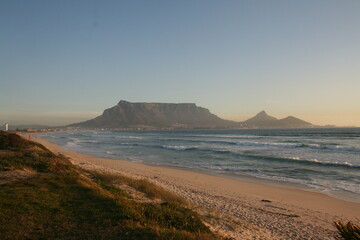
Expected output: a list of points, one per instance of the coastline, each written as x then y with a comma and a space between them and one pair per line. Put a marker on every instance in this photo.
260, 211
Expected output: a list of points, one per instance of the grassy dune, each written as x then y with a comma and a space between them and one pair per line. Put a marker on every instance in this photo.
43, 196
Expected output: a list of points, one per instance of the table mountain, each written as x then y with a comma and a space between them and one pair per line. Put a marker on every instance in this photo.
156, 115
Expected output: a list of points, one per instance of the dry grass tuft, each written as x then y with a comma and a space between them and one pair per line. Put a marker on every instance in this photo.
150, 189
348, 231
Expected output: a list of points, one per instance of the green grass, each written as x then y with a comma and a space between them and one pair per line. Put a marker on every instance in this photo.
56, 207
18, 153
61, 202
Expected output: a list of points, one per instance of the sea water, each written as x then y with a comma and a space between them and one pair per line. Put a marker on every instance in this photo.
326, 160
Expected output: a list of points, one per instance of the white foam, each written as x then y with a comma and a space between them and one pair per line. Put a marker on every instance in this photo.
72, 145
268, 144
233, 136
178, 148
128, 137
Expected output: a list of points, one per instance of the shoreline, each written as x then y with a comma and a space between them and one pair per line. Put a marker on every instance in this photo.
342, 195
262, 210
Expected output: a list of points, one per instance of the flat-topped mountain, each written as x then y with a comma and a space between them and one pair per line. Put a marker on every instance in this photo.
156, 115
179, 115
263, 120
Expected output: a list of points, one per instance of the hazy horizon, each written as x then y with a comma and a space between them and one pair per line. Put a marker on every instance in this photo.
66, 118
63, 62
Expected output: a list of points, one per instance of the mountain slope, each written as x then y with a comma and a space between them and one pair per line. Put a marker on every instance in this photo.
156, 115
293, 122
260, 120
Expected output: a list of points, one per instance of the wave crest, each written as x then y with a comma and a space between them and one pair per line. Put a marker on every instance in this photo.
177, 148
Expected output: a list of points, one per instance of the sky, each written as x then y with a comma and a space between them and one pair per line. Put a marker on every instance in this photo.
66, 61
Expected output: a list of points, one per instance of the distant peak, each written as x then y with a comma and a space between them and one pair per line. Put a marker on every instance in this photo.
260, 118
262, 113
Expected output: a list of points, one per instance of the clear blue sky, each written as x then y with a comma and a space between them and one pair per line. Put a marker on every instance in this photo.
66, 61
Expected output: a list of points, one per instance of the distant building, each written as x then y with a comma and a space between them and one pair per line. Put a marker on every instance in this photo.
6, 127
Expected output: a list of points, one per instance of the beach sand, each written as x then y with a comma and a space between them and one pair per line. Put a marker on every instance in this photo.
232, 207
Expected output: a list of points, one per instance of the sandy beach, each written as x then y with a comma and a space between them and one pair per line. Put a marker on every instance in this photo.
232, 207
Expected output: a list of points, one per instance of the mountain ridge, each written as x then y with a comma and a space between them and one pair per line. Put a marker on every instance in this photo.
128, 115
263, 120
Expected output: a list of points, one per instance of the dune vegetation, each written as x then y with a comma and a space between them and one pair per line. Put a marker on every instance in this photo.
347, 231
44, 196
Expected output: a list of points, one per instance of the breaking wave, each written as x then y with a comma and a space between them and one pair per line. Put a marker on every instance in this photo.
178, 148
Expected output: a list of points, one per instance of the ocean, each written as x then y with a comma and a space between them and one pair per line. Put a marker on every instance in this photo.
325, 160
